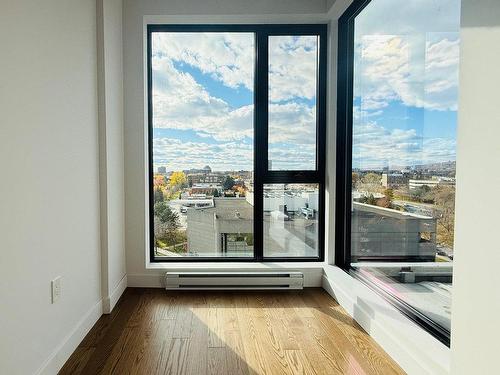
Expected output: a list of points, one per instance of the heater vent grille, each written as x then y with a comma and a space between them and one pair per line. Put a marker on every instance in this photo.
234, 280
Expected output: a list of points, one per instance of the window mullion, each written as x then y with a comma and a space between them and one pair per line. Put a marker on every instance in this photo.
261, 141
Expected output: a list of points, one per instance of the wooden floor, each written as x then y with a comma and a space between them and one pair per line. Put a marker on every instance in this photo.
152, 331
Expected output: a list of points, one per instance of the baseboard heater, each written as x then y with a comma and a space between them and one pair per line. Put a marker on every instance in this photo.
234, 280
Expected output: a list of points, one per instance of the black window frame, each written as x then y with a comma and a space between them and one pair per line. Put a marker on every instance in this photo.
342, 257
262, 175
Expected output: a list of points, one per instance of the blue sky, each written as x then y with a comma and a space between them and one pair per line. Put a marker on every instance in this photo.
406, 83
405, 93
203, 101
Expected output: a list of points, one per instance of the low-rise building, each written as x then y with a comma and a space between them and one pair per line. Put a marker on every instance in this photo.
436, 181
224, 229
394, 180
384, 233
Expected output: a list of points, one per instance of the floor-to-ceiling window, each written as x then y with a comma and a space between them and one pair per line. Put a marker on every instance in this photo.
236, 141
398, 85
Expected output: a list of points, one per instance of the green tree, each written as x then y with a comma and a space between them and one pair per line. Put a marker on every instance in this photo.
368, 199
420, 193
166, 222
158, 195
228, 183
389, 194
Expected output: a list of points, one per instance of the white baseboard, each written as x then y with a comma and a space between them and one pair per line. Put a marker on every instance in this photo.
312, 278
108, 303
146, 280
415, 350
61, 354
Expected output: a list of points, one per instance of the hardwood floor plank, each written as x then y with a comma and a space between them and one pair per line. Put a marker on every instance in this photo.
235, 354
152, 331
217, 361
298, 363
77, 362
176, 357
197, 355
215, 322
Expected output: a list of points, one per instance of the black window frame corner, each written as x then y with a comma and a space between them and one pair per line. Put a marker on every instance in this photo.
345, 81
262, 175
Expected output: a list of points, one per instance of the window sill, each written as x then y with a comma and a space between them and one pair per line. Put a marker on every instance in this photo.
233, 265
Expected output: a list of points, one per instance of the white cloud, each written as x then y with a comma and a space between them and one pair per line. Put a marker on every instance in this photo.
293, 158
376, 147
408, 53
179, 102
292, 123
179, 155
292, 67
419, 73
228, 57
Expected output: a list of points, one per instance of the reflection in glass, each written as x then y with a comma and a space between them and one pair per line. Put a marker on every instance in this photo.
403, 155
293, 63
291, 220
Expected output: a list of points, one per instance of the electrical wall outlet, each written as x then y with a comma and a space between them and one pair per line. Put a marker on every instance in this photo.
56, 289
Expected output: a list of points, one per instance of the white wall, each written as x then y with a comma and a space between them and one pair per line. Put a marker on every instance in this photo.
112, 191
476, 276
49, 212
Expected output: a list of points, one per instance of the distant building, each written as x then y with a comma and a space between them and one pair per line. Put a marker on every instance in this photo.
205, 178
206, 169
438, 181
384, 233
394, 180
162, 170
206, 188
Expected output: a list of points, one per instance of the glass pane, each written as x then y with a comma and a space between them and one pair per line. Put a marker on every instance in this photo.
403, 156
293, 64
291, 220
203, 143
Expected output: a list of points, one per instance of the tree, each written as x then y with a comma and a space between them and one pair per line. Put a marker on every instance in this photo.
178, 180
368, 199
166, 221
372, 178
370, 182
158, 195
389, 194
444, 200
355, 178
228, 183
158, 180
421, 193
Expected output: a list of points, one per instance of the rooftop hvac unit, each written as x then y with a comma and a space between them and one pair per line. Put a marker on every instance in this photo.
234, 280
